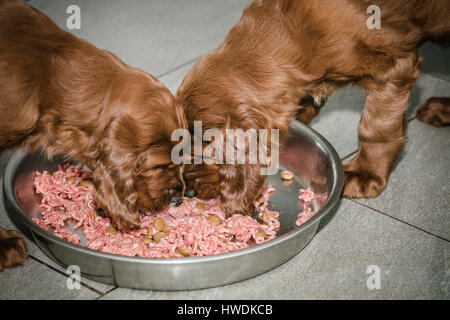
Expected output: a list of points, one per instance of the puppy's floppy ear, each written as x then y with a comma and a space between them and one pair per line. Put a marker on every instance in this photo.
241, 184
115, 192
114, 174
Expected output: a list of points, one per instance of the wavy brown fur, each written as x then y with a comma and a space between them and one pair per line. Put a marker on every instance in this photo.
63, 95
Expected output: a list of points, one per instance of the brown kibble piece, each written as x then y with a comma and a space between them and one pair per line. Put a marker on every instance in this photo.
260, 234
261, 199
96, 214
71, 180
214, 219
159, 236
185, 252
85, 183
147, 240
149, 231
201, 206
111, 229
287, 175
224, 239
287, 183
159, 224
265, 217
167, 228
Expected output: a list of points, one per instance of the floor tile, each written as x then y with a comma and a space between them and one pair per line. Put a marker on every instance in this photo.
412, 265
436, 60
173, 79
152, 35
418, 191
36, 281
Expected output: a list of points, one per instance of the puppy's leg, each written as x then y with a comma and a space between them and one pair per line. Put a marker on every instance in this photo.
13, 249
435, 111
381, 134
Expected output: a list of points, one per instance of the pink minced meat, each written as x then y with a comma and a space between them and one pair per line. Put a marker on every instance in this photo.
191, 231
306, 197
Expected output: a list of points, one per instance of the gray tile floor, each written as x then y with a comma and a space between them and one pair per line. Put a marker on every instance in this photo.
405, 232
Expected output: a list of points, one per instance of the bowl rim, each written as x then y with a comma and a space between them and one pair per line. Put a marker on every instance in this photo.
335, 194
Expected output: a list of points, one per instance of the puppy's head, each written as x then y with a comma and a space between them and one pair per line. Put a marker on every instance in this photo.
135, 172
158, 180
210, 96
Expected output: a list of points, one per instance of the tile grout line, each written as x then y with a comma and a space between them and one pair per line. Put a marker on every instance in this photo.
399, 220
436, 76
349, 155
106, 293
177, 67
62, 273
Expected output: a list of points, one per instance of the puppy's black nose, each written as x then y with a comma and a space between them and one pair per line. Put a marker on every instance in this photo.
176, 198
176, 201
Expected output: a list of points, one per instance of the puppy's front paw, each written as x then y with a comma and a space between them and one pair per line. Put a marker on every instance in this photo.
127, 220
206, 191
361, 183
232, 207
13, 249
203, 179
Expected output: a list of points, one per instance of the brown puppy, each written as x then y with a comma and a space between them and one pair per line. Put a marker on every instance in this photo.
285, 57
63, 95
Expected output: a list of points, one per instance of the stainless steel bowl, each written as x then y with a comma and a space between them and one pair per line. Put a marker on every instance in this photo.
309, 155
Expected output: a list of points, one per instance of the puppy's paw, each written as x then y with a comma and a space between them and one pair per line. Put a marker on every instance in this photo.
13, 249
435, 111
361, 183
203, 179
231, 207
127, 221
206, 191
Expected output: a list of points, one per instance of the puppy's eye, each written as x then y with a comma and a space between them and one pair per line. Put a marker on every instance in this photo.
308, 100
